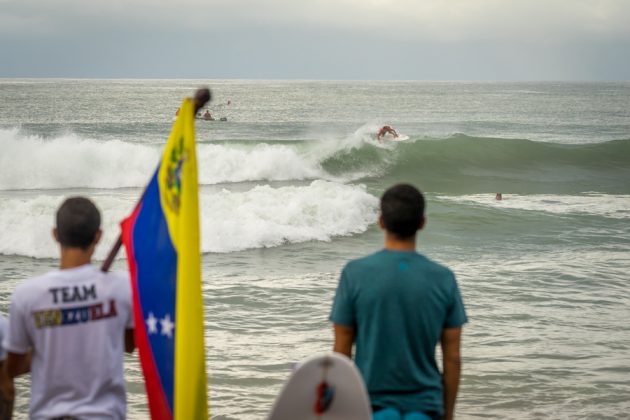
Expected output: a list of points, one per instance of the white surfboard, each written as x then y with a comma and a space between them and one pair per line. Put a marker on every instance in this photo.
390, 137
401, 137
325, 387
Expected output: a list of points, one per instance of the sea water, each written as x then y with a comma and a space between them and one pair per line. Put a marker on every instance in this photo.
289, 192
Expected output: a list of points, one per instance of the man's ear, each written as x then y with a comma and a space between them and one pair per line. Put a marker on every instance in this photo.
381, 222
97, 236
55, 234
423, 222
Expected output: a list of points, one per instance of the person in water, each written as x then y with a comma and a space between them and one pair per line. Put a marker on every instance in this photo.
499, 197
395, 306
386, 129
207, 116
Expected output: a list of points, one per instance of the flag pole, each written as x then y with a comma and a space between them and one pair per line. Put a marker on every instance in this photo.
202, 96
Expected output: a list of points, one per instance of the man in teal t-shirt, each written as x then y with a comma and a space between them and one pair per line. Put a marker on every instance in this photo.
396, 306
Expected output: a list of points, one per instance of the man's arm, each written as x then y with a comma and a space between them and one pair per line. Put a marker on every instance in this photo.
6, 387
7, 391
344, 338
130, 341
17, 364
450, 342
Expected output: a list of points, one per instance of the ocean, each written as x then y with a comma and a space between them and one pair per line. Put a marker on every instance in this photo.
289, 192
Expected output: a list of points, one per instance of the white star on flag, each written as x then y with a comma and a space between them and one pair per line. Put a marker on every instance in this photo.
152, 323
167, 326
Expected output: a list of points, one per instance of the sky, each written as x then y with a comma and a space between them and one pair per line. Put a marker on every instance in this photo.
493, 40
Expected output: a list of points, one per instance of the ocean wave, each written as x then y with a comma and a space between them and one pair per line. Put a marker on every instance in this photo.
266, 217
457, 164
462, 164
592, 204
238, 163
70, 161
230, 220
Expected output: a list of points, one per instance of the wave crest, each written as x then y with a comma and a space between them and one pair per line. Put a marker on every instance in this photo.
230, 221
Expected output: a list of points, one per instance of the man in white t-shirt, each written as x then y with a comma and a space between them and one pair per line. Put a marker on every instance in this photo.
73, 324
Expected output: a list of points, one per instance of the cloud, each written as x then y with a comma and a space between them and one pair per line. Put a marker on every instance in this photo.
491, 39
22, 23
440, 20
462, 20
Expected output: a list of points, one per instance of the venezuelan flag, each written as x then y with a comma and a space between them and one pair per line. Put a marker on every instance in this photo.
161, 238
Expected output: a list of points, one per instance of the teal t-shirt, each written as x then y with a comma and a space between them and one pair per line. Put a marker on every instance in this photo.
399, 303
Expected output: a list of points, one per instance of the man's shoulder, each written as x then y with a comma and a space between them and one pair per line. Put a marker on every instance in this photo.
31, 284
31, 287
365, 261
118, 283
117, 276
436, 267
438, 272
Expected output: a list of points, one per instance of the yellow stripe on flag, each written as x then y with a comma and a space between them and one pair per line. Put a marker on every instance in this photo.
179, 196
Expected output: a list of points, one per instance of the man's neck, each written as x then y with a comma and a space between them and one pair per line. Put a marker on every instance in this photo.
393, 243
74, 257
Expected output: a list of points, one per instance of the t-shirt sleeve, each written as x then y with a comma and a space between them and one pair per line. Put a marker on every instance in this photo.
456, 315
17, 339
342, 312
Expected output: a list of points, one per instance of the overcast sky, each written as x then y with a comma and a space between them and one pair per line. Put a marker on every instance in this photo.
317, 39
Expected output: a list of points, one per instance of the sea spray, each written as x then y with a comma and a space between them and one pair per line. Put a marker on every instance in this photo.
262, 216
237, 163
267, 217
71, 161
27, 220
31, 162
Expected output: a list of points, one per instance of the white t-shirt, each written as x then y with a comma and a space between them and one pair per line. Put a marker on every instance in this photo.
74, 321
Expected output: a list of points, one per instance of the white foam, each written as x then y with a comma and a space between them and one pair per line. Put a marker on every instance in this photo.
238, 163
607, 205
230, 221
31, 162
26, 223
267, 217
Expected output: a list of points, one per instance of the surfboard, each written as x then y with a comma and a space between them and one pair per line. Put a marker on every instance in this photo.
401, 137
324, 387
390, 137
213, 119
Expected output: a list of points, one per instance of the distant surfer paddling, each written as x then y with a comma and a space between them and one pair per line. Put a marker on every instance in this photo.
207, 116
386, 129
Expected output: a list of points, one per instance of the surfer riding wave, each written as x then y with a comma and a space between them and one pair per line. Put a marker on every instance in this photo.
386, 129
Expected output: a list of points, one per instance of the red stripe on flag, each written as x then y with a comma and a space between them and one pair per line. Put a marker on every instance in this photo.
158, 404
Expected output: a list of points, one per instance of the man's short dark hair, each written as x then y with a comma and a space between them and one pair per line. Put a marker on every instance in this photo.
78, 220
402, 208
